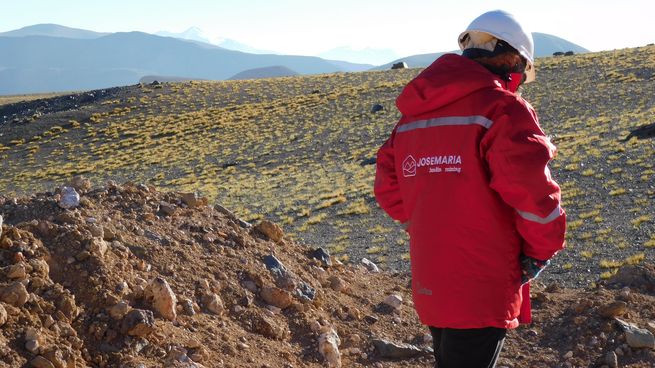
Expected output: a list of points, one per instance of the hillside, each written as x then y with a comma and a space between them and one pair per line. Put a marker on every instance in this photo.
544, 45
268, 72
296, 151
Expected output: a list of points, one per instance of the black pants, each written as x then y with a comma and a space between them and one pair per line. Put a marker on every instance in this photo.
467, 348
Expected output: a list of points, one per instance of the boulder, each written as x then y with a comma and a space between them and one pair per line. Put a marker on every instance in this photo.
213, 303
14, 294
637, 337
400, 65
391, 350
394, 301
614, 309
370, 265
138, 322
276, 297
270, 229
69, 198
328, 347
163, 299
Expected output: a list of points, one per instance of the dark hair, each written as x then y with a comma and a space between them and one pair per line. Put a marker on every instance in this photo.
502, 47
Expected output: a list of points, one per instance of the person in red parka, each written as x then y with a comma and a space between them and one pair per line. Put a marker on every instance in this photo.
466, 171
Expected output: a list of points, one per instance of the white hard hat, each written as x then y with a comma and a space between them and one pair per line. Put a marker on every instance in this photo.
503, 26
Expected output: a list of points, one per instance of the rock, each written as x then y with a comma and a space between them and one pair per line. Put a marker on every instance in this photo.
14, 294
167, 208
375, 108
568, 355
213, 303
612, 360
614, 309
337, 283
392, 350
81, 183
67, 306
400, 65
328, 347
32, 346
637, 337
119, 310
650, 326
187, 307
69, 198
276, 297
370, 265
270, 229
269, 328
304, 292
1, 220
17, 271
40, 267
164, 300
275, 266
98, 247
633, 276
41, 362
138, 322
368, 161
192, 200
3, 315
394, 301
322, 255
59, 358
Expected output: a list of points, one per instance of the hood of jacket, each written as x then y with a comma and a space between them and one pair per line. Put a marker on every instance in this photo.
448, 79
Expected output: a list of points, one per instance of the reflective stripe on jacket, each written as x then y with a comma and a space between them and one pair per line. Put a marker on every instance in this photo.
466, 165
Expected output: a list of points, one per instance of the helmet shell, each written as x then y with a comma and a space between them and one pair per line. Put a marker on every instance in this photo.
504, 26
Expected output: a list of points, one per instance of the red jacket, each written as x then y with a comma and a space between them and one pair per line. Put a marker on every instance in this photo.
466, 165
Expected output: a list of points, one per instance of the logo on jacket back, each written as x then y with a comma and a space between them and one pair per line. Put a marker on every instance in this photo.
409, 166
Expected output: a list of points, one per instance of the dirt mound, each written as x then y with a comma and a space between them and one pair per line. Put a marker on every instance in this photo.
132, 277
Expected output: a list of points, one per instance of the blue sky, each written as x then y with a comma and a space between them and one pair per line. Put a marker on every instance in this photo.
309, 27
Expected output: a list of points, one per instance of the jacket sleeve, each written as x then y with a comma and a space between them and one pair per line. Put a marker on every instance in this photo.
517, 153
387, 189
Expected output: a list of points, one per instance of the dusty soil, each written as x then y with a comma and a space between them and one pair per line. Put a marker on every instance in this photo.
134, 277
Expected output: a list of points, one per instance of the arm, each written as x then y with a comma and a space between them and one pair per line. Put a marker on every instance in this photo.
387, 190
518, 152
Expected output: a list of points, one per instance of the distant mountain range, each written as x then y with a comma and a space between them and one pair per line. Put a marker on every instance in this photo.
362, 56
53, 30
544, 45
40, 62
50, 57
196, 34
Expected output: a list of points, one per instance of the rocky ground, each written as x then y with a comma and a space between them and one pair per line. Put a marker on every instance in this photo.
127, 276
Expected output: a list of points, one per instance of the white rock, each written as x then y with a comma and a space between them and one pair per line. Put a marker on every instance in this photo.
394, 301
370, 265
69, 198
637, 337
328, 346
164, 300
213, 303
